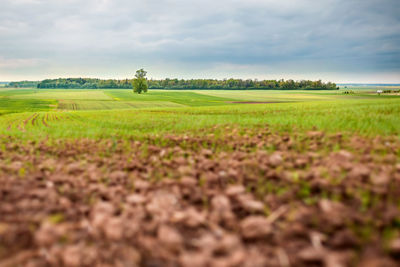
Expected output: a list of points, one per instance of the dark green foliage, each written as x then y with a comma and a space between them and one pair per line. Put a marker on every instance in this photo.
391, 91
23, 84
239, 84
226, 84
84, 83
139, 83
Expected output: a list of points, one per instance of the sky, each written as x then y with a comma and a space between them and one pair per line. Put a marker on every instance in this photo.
332, 40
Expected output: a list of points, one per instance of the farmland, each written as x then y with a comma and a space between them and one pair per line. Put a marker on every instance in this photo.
106, 113
199, 178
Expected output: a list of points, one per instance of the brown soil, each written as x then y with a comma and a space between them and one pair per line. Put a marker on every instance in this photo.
33, 121
23, 124
249, 199
44, 119
9, 126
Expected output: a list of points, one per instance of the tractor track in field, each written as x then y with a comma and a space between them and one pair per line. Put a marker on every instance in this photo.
22, 126
44, 119
34, 120
48, 118
37, 119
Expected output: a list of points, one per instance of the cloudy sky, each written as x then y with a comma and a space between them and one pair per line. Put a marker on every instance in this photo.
336, 40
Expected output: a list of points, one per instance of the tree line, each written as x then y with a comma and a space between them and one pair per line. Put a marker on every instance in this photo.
23, 84
180, 84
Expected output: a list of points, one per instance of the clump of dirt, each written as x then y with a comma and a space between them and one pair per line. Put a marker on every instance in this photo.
249, 198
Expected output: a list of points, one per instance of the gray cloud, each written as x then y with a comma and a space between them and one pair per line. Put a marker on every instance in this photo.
253, 38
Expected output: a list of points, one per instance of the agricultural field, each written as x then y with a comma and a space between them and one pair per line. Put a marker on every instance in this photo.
199, 178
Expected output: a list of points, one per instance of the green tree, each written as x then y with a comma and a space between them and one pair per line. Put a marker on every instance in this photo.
139, 83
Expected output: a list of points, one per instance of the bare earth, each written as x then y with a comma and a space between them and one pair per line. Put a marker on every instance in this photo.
257, 198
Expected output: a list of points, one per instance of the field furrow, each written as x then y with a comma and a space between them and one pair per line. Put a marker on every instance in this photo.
23, 124
45, 119
34, 119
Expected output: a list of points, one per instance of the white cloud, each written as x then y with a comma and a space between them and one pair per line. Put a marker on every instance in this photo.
296, 36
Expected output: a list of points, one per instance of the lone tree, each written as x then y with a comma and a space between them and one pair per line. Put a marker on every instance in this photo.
139, 83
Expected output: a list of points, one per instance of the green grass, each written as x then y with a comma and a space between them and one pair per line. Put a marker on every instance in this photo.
188, 98
15, 105
105, 105
58, 94
110, 113
267, 96
8, 92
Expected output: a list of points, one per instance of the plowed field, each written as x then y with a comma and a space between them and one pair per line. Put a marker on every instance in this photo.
254, 198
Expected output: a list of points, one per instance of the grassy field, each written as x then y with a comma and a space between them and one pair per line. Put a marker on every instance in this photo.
199, 178
106, 113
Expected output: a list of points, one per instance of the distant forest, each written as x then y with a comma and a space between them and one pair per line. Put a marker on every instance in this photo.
23, 84
226, 84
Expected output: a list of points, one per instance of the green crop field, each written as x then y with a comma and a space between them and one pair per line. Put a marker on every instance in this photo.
105, 113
